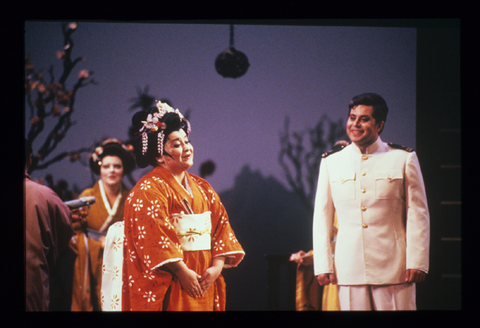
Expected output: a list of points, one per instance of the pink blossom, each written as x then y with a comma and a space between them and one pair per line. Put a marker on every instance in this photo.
83, 73
60, 54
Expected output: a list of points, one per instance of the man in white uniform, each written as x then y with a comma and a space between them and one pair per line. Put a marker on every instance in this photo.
383, 236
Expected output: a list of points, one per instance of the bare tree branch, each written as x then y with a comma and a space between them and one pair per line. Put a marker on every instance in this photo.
73, 155
60, 100
300, 165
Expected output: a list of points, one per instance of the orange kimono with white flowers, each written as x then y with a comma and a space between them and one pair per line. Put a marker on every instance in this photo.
153, 238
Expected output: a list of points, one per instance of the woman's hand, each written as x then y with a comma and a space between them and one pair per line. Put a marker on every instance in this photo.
302, 258
190, 283
188, 278
102, 241
79, 219
212, 273
79, 215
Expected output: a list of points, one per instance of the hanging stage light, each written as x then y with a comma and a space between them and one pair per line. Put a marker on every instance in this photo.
231, 62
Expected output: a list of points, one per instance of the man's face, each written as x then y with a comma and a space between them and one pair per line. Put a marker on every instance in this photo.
362, 129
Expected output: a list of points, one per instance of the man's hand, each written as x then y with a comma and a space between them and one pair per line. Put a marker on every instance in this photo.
414, 275
327, 278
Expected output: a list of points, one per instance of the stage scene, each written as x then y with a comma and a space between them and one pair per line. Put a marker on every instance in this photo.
173, 166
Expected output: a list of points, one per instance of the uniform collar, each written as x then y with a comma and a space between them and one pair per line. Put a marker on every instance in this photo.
370, 149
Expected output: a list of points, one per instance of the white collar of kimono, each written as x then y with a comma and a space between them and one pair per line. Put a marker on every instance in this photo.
187, 185
111, 210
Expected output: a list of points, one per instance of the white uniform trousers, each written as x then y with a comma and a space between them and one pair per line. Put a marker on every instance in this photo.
377, 297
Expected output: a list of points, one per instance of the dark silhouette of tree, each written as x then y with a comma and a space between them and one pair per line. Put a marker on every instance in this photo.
61, 188
48, 98
143, 100
301, 164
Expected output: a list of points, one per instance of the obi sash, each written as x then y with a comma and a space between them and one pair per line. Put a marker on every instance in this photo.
194, 231
95, 234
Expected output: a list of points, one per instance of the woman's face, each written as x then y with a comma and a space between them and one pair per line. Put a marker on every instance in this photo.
181, 150
111, 170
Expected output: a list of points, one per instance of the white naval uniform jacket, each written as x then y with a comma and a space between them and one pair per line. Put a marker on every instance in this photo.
382, 215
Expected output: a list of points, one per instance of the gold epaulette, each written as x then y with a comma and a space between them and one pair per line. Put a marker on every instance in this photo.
392, 145
335, 149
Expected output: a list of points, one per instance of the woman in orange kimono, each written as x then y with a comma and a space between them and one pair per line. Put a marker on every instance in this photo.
177, 234
111, 160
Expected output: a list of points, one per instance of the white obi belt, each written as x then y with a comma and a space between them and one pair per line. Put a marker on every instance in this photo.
194, 231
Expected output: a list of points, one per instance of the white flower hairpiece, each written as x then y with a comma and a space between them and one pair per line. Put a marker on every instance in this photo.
153, 124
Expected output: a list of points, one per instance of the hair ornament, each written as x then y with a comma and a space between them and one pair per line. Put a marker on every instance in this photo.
112, 147
144, 142
153, 124
160, 138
